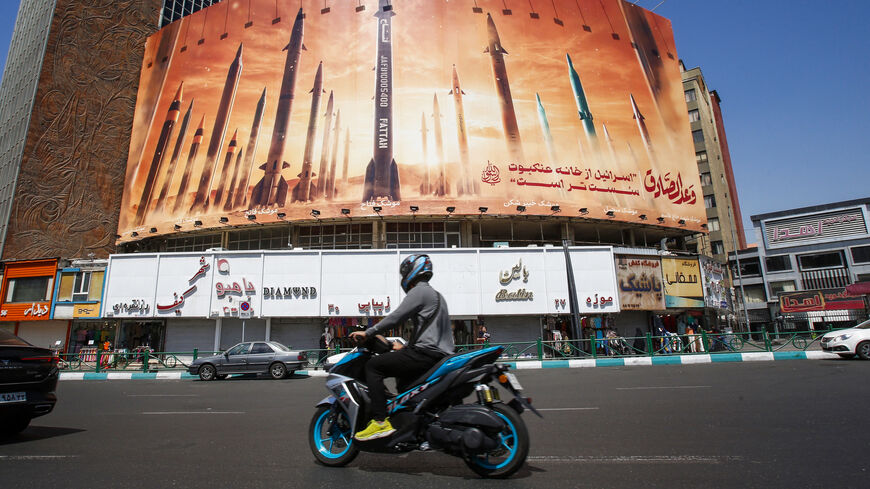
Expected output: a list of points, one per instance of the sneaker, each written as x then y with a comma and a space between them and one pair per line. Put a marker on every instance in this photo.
376, 430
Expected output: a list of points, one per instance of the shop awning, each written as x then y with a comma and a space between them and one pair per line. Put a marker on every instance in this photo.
858, 288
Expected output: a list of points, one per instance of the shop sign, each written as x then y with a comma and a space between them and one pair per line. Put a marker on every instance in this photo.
355, 284
25, 312
825, 226
682, 282
289, 292
715, 285
377, 308
86, 310
640, 283
507, 277
234, 295
179, 298
819, 300
291, 285
135, 307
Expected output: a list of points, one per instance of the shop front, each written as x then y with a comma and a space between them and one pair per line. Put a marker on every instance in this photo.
26, 301
818, 310
78, 295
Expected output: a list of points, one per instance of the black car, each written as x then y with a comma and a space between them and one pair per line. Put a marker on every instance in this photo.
28, 378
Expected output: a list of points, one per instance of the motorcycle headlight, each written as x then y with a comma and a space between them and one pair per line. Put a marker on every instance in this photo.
844, 337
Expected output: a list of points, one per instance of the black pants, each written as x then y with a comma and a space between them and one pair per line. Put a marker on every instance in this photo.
406, 365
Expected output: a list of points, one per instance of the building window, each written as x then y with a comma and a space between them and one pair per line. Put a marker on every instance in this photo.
709, 201
81, 285
274, 238
193, 243
690, 95
422, 234
717, 247
701, 157
863, 277
821, 260
29, 289
706, 178
777, 288
778, 263
713, 224
754, 294
861, 254
748, 267
694, 115
698, 136
336, 237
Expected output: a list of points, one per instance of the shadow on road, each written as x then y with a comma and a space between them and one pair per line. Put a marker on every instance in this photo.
35, 433
425, 464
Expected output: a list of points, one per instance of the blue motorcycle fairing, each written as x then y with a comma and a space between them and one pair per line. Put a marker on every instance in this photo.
327, 401
459, 361
347, 358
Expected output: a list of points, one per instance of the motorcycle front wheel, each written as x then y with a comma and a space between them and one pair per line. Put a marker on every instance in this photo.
330, 437
511, 455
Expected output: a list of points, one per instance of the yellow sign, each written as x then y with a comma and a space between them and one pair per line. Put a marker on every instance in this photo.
86, 310
682, 277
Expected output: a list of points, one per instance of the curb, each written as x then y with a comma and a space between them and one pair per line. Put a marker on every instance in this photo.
523, 365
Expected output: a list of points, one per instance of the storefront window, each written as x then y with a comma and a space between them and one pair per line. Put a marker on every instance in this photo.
422, 234
84, 334
754, 294
142, 333
29, 289
336, 237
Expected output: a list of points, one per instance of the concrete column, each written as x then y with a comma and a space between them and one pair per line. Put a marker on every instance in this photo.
268, 329
465, 239
217, 334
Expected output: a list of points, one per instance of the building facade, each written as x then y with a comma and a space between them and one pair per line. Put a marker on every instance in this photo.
796, 278
724, 219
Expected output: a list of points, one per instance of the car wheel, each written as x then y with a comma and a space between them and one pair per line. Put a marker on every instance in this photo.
846, 356
278, 370
207, 372
863, 350
14, 425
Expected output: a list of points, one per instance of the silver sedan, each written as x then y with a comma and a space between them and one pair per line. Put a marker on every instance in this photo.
252, 357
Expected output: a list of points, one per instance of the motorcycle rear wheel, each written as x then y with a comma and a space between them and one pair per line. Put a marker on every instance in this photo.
330, 437
503, 462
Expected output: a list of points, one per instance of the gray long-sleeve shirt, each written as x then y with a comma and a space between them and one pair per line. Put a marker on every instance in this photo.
420, 304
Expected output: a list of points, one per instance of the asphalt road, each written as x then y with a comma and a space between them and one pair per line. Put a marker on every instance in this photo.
768, 424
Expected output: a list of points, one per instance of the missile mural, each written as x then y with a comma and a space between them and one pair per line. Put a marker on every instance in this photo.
228, 204
609, 141
159, 154
466, 185
382, 173
502, 87
426, 186
324, 148
173, 161
188, 167
644, 134
272, 188
545, 130
303, 189
442, 185
582, 104
330, 181
225, 170
346, 155
216, 143
241, 197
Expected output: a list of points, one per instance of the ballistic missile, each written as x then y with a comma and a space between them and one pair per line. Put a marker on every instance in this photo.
426, 186
346, 155
465, 186
502, 87
173, 162
216, 143
191, 159
644, 134
272, 188
330, 182
382, 173
545, 130
241, 197
303, 189
228, 161
609, 141
442, 186
159, 153
324, 148
582, 104
646, 48
228, 204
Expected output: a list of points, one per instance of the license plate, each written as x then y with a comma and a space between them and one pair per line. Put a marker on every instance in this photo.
6, 397
512, 379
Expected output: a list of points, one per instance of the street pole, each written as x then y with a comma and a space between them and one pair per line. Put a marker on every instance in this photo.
576, 330
739, 272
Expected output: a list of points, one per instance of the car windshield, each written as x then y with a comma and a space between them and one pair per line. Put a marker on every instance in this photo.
10, 339
864, 325
278, 346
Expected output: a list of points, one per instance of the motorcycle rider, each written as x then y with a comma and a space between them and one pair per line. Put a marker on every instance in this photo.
430, 341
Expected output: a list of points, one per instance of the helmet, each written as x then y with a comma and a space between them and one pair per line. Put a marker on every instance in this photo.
413, 269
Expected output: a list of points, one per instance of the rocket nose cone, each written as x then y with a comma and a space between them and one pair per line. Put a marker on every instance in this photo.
568, 57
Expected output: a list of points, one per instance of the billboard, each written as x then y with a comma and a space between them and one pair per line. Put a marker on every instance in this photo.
819, 300
684, 286
272, 110
640, 283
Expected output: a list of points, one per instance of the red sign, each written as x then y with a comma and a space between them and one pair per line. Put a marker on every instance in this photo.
820, 300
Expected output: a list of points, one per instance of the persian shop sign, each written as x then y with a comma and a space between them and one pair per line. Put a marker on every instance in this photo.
517, 273
640, 283
682, 281
816, 227
819, 300
446, 125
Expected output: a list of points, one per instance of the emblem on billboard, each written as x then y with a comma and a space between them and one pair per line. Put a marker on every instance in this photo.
490, 174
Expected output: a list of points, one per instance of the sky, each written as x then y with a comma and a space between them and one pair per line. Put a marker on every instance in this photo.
791, 80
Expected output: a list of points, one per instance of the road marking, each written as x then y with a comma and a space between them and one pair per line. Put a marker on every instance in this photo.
663, 387
162, 395
568, 409
637, 459
34, 457
193, 412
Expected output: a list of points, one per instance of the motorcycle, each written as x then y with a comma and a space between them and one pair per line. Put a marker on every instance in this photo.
428, 413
